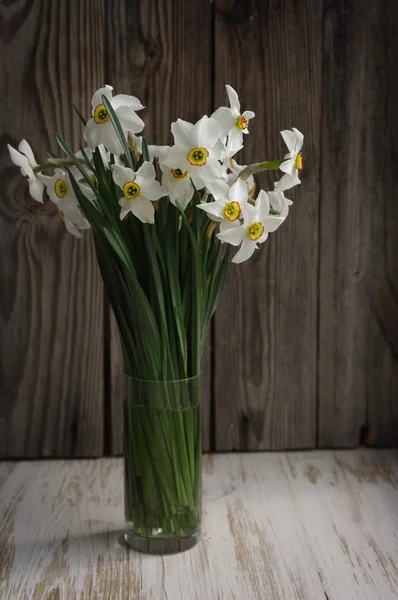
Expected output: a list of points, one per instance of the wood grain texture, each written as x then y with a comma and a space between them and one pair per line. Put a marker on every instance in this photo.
358, 371
160, 52
51, 311
266, 324
296, 526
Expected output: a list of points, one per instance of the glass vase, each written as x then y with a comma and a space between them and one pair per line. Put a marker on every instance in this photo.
163, 464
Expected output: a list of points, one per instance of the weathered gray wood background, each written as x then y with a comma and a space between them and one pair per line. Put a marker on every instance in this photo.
304, 346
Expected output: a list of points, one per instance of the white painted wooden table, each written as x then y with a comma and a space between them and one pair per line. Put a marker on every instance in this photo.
308, 525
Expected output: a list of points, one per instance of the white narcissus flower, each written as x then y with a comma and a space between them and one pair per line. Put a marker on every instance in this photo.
257, 224
232, 122
293, 162
279, 204
24, 158
60, 191
228, 204
59, 187
195, 151
139, 189
177, 183
72, 217
99, 129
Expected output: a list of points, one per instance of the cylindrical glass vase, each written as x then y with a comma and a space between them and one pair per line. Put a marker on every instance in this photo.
162, 464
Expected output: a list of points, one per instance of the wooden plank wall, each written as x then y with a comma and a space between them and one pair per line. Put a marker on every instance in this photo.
305, 341
358, 285
266, 325
52, 303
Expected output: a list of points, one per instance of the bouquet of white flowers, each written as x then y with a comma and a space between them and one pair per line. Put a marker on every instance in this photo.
163, 221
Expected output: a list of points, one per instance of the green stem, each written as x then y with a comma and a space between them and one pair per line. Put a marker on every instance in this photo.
257, 167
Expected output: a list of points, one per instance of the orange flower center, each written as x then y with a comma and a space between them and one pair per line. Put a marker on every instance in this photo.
100, 114
299, 161
256, 231
60, 188
178, 174
242, 123
197, 157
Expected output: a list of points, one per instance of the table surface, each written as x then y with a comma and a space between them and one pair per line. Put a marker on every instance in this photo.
314, 525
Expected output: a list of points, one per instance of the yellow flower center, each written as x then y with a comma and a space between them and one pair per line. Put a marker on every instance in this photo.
178, 174
232, 211
60, 188
242, 123
256, 231
299, 161
198, 157
61, 214
100, 114
131, 189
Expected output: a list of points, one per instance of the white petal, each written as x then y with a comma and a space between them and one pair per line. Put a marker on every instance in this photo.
97, 97
122, 174
262, 205
182, 132
82, 223
162, 153
299, 139
224, 118
152, 190
36, 188
206, 133
239, 192
145, 173
288, 166
233, 235
250, 214
245, 251
248, 114
195, 176
217, 151
176, 158
27, 150
129, 120
211, 170
125, 100
286, 182
17, 158
235, 141
233, 100
126, 207
71, 227
272, 223
225, 224
279, 203
181, 190
219, 189
91, 133
290, 139
215, 209
108, 136
143, 209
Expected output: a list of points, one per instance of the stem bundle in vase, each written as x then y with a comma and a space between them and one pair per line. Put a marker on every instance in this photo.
163, 220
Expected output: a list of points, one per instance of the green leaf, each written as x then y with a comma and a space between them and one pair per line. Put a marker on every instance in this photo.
83, 120
145, 151
74, 159
118, 128
215, 292
92, 214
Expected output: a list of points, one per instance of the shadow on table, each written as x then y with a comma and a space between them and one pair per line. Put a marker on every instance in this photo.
71, 551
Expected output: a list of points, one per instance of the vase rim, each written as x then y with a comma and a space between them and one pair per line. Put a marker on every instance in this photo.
187, 379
